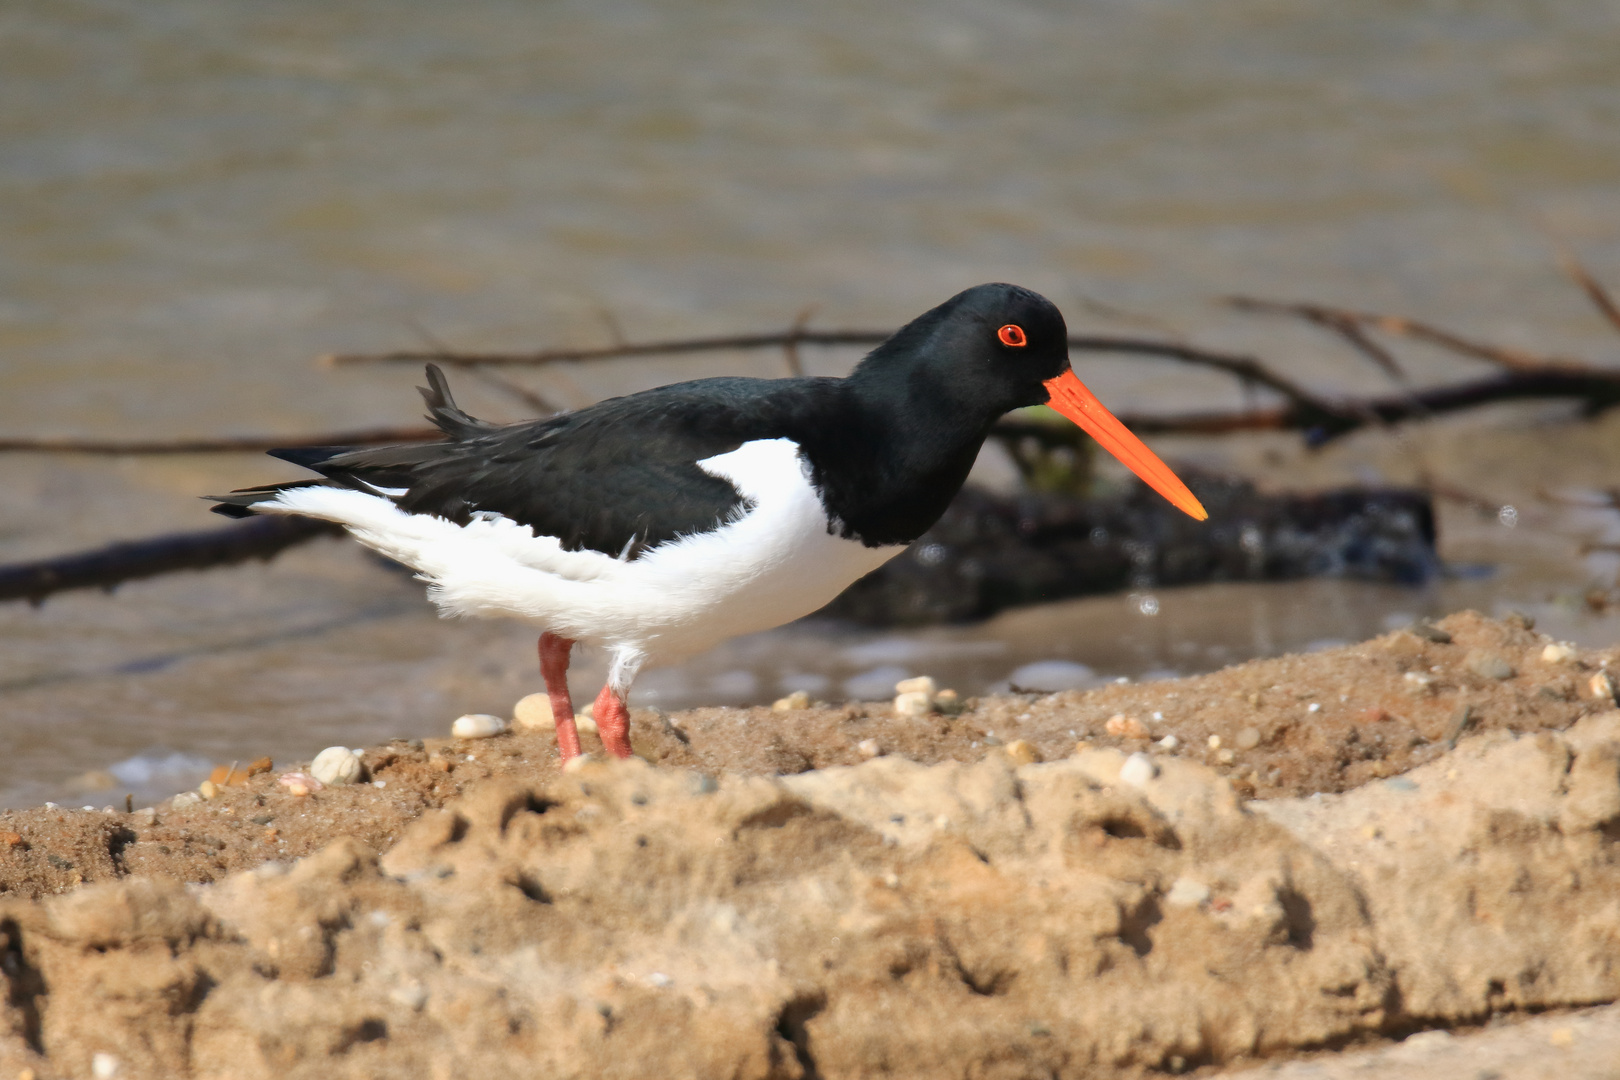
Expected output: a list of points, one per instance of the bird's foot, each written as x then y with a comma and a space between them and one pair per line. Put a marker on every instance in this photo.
612, 722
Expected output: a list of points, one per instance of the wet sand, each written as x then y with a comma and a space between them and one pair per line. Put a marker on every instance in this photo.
1411, 834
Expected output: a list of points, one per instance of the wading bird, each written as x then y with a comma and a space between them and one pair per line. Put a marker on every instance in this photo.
659, 524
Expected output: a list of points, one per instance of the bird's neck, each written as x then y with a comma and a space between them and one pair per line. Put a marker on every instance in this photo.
888, 464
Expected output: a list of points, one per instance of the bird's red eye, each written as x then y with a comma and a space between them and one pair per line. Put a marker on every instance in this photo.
1012, 334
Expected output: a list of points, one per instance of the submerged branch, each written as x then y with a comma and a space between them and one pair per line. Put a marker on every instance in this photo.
108, 567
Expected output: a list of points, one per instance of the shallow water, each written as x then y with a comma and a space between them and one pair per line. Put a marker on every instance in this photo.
196, 199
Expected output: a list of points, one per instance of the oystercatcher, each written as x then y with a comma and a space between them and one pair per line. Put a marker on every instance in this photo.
659, 524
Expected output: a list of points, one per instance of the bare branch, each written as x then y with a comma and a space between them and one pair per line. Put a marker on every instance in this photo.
1501, 356
1591, 286
109, 567
224, 445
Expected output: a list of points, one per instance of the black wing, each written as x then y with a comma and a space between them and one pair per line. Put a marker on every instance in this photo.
618, 477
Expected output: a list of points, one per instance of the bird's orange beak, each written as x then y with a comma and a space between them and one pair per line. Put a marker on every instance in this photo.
1070, 397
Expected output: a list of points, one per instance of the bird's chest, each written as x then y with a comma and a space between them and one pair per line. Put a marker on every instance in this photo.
775, 562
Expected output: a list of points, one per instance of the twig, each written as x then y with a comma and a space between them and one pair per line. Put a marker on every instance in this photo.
1594, 290
109, 567
225, 445
790, 349
1511, 359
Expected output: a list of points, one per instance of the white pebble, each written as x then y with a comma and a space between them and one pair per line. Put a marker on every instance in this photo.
922, 684
104, 1066
1602, 687
411, 995
1137, 770
477, 726
533, 713
1187, 892
799, 699
1313, 707
1225, 757
869, 748
1169, 742
336, 765
185, 798
1558, 652
1214, 742
913, 703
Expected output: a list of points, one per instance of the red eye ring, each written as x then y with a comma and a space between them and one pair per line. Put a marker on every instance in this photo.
1012, 334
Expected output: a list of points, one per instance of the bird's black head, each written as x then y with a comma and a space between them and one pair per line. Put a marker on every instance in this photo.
986, 350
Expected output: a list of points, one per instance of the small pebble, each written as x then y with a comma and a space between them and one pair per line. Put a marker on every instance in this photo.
208, 789
1601, 687
1247, 739
1137, 770
1187, 892
1417, 683
869, 748
1430, 633
913, 703
1490, 666
336, 765
411, 995
1125, 727
1315, 706
799, 699
922, 684
10, 839
533, 713
1169, 742
1022, 753
948, 702
477, 726
299, 784
1214, 742
185, 798
104, 1066
1225, 757
1559, 652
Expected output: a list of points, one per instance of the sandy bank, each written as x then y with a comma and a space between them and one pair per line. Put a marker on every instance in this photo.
765, 902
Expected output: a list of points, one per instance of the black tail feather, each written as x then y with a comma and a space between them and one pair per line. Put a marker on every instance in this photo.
443, 410
309, 457
239, 504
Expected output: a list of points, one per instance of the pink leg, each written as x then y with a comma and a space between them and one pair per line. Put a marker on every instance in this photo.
554, 652
612, 722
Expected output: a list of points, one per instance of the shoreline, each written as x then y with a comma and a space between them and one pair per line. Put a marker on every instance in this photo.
1406, 834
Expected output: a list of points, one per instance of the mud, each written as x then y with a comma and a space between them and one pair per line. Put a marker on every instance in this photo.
1010, 892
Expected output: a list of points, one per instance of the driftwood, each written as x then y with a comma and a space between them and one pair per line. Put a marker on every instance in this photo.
991, 552
107, 568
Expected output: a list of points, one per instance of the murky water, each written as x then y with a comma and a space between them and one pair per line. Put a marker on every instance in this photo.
197, 199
